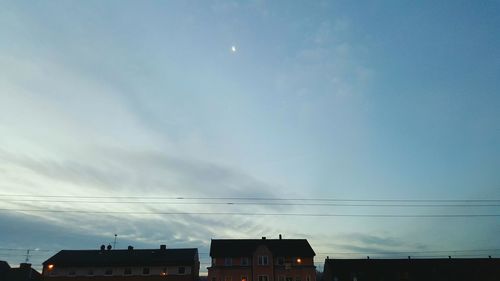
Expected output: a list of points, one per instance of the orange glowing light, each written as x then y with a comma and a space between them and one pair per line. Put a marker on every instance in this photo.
299, 260
50, 266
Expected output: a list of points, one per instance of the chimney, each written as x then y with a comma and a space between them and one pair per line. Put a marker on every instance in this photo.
109, 247
409, 258
130, 248
367, 257
280, 236
103, 247
263, 237
25, 266
449, 257
163, 247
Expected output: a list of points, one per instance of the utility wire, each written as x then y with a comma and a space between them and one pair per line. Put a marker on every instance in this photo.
252, 198
249, 203
320, 253
258, 214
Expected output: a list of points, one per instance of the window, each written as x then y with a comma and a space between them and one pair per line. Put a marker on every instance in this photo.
228, 261
263, 278
182, 270
244, 261
308, 278
227, 278
281, 278
90, 272
127, 271
280, 261
108, 271
297, 278
145, 271
289, 279
214, 279
213, 261
263, 261
71, 272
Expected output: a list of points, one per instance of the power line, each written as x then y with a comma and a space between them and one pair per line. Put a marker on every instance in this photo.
253, 198
249, 203
259, 214
319, 253
410, 252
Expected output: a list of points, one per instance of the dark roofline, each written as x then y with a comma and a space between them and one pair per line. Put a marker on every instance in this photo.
245, 247
409, 259
177, 256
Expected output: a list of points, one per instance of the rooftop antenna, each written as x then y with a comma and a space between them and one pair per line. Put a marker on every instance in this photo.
27, 256
114, 243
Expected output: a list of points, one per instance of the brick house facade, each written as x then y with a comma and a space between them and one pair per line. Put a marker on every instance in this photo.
261, 260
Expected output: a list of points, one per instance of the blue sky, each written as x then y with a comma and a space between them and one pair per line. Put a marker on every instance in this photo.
331, 99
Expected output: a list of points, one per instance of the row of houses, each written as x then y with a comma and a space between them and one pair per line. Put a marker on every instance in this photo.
244, 260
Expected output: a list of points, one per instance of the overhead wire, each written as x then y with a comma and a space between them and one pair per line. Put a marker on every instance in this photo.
252, 198
257, 214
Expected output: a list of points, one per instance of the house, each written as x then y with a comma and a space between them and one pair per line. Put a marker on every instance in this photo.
130, 264
22, 273
450, 269
261, 260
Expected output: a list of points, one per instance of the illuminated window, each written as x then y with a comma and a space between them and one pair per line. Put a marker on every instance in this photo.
263, 260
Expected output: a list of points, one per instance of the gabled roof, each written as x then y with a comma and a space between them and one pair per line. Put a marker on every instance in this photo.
246, 247
124, 257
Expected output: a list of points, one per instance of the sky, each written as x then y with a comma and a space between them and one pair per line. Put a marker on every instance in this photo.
147, 101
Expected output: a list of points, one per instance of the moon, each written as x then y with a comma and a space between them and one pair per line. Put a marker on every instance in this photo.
233, 49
